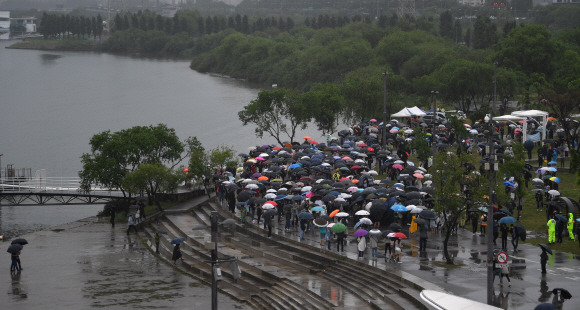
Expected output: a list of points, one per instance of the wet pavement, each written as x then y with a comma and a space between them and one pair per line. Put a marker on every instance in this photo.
87, 264
469, 277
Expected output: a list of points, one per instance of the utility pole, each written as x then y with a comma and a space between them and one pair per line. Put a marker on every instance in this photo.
491, 155
215, 271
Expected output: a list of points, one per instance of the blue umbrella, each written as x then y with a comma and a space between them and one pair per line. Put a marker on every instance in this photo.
553, 169
562, 218
279, 197
507, 220
509, 184
399, 208
294, 166
317, 209
305, 215
177, 240
552, 163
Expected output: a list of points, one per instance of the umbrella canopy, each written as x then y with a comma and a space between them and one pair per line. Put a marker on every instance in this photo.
14, 248
177, 240
399, 235
342, 214
563, 293
545, 248
362, 212
360, 233
427, 214
318, 209
269, 213
366, 221
333, 213
507, 220
321, 222
561, 218
20, 241
395, 227
338, 228
399, 208
305, 215
375, 232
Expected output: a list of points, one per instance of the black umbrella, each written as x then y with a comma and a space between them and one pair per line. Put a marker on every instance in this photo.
269, 213
563, 293
545, 248
427, 214
529, 145
245, 196
14, 248
19, 241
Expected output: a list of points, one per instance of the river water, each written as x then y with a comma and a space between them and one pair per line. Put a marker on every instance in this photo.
52, 103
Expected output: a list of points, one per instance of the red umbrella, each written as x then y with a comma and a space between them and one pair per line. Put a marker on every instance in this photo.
312, 142
277, 148
397, 166
355, 167
271, 202
361, 145
400, 235
186, 170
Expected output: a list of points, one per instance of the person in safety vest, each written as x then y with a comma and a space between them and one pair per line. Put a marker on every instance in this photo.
551, 231
570, 226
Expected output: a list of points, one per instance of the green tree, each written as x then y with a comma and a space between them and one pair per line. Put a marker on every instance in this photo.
277, 113
199, 167
450, 178
113, 155
446, 25
326, 105
484, 33
153, 179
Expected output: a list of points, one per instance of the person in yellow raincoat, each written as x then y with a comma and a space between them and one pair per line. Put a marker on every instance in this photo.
570, 226
413, 227
551, 231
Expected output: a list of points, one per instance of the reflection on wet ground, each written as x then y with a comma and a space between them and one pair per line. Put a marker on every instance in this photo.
93, 266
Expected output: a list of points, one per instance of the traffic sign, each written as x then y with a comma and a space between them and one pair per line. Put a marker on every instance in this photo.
502, 257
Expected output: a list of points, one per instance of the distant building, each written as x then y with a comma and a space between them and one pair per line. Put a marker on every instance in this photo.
472, 2
4, 25
21, 26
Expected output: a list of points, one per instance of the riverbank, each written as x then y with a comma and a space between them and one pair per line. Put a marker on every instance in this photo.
58, 45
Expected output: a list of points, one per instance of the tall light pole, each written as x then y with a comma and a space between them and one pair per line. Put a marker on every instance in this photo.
385, 109
491, 155
433, 125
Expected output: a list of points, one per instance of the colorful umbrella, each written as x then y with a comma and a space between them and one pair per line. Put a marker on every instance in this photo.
360, 233
338, 228
333, 213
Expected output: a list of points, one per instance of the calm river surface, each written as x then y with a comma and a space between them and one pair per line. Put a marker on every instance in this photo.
52, 103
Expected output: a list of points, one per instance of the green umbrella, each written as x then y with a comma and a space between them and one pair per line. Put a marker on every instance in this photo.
338, 228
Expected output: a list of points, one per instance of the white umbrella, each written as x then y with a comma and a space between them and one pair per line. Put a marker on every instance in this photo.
342, 214
252, 186
270, 196
366, 221
554, 192
267, 206
271, 190
306, 189
373, 172
361, 212
537, 180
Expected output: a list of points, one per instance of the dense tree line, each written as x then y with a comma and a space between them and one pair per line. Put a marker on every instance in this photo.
55, 26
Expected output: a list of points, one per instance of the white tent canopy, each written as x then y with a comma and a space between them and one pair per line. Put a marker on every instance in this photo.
532, 113
508, 118
409, 112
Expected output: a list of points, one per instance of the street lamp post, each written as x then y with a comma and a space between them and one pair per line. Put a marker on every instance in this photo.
385, 109
491, 155
433, 125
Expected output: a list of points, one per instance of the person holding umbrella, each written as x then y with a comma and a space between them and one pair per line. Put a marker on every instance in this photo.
15, 261
361, 246
544, 256
504, 236
176, 253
